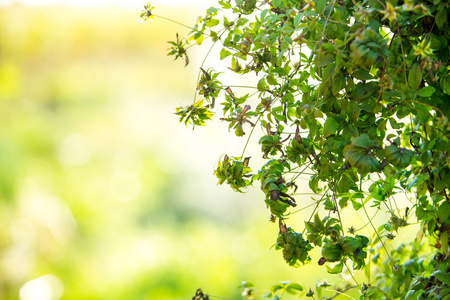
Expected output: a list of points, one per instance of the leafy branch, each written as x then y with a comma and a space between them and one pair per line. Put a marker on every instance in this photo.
352, 96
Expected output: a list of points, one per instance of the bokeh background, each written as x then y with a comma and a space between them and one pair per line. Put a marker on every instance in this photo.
103, 194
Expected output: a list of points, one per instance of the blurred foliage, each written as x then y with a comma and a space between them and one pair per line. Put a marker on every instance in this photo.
94, 200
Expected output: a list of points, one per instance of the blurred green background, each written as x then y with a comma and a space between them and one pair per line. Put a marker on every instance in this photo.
103, 195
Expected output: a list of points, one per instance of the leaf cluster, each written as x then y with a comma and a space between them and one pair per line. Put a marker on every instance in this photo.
358, 93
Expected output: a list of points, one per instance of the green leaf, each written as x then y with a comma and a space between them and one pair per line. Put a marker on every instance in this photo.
199, 39
297, 19
330, 127
382, 125
336, 269
337, 84
350, 244
343, 185
374, 24
271, 80
426, 91
363, 90
361, 158
444, 242
323, 60
294, 288
224, 53
279, 117
332, 252
261, 86
441, 276
362, 74
362, 141
443, 212
318, 222
212, 11
275, 288
413, 295
328, 72
397, 156
415, 76
441, 17
353, 110
226, 23
329, 205
276, 3
212, 23
356, 205
445, 84
321, 4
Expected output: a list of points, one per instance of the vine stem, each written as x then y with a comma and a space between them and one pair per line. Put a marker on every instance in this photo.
317, 205
351, 274
339, 293
295, 172
343, 291
374, 229
374, 215
249, 136
170, 20
338, 212
242, 86
299, 210
376, 232
201, 66
301, 172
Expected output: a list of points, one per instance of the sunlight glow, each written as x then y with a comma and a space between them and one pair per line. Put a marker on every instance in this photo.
246, 248
74, 150
124, 186
131, 4
128, 159
48, 287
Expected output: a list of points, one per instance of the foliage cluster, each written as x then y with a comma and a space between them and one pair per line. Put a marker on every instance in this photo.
355, 95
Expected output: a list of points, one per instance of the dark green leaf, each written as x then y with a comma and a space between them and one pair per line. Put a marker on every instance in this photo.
323, 60
363, 90
426, 91
332, 252
397, 156
330, 127
362, 74
445, 84
443, 212
415, 76
441, 17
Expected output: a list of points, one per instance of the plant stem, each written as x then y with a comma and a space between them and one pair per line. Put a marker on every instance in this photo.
343, 291
351, 274
170, 20
373, 227
249, 136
